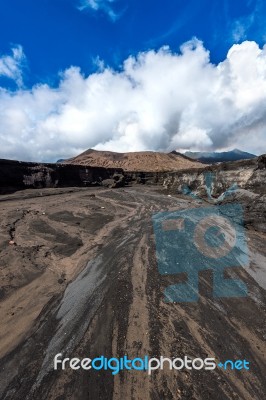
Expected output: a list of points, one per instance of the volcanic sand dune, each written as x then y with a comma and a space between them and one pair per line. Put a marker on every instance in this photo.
82, 280
146, 161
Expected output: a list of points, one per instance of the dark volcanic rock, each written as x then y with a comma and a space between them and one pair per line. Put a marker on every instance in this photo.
16, 175
262, 162
117, 181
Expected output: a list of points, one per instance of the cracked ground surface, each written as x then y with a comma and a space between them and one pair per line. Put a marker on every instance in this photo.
79, 276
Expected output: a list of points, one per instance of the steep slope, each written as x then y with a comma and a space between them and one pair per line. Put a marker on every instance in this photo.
146, 161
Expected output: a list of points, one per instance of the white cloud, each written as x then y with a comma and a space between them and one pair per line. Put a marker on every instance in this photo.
239, 31
252, 24
10, 66
158, 101
100, 5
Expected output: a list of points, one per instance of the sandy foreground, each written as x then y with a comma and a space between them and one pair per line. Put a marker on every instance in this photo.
80, 277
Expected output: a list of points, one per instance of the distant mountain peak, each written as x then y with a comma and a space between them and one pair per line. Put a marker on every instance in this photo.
215, 157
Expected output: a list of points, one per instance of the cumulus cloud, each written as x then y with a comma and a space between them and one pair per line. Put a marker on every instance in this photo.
11, 66
159, 100
100, 5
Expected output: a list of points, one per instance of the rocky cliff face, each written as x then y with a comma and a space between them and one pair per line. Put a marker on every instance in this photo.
240, 182
16, 175
246, 174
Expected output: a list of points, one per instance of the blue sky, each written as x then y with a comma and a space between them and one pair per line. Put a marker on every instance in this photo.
41, 40
56, 34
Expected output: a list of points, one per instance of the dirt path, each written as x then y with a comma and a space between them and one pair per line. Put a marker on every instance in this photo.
82, 279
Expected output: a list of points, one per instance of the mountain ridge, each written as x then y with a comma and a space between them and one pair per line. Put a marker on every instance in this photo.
215, 157
144, 161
